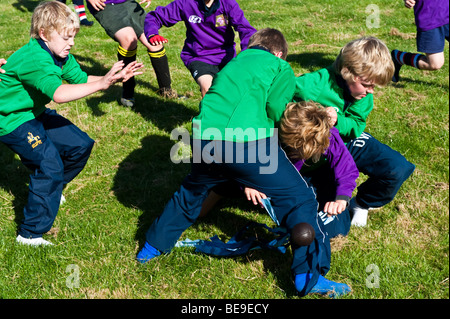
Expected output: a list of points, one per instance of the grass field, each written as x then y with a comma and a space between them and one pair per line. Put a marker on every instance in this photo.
401, 254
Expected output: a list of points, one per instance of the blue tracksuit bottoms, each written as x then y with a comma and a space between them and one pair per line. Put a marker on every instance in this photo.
322, 180
386, 169
262, 165
55, 151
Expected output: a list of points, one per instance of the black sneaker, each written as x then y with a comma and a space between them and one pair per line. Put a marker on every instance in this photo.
167, 93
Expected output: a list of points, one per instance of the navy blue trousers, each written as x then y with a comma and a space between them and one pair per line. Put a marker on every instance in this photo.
55, 150
322, 180
262, 165
386, 169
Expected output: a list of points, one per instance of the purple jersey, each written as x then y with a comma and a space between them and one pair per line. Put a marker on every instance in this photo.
430, 14
341, 161
209, 36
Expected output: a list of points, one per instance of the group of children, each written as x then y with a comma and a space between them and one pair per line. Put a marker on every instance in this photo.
310, 129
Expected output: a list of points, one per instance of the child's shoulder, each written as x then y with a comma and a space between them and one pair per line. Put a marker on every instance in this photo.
323, 75
31, 58
28, 53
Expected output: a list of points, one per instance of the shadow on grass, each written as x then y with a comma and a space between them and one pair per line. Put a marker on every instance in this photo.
166, 114
405, 80
146, 180
25, 5
14, 178
311, 61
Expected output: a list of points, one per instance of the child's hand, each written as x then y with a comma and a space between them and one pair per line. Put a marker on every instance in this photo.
254, 195
2, 61
409, 3
120, 74
157, 40
335, 208
332, 114
97, 4
146, 1
130, 70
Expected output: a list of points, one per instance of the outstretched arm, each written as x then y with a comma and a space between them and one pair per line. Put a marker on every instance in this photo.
71, 92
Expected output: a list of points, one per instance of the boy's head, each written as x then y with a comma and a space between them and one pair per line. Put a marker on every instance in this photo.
305, 130
270, 39
53, 16
364, 63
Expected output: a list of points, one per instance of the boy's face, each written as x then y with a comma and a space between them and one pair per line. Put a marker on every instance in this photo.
60, 44
359, 88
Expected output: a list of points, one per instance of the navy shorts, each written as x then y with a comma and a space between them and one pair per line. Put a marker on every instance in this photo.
432, 41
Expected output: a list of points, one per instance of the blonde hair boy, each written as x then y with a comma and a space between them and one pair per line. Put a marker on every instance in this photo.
52, 147
368, 58
346, 89
53, 16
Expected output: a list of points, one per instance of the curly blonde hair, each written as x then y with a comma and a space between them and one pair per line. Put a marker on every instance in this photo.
53, 15
305, 130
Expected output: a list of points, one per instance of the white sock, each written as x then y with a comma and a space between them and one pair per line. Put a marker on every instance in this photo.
360, 215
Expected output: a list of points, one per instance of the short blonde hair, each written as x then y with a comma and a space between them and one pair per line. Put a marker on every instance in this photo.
305, 130
53, 15
368, 58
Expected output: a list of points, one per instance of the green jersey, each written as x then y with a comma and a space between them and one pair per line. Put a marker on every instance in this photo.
30, 80
329, 89
247, 98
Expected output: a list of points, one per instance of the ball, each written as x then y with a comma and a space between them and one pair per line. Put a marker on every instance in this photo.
302, 234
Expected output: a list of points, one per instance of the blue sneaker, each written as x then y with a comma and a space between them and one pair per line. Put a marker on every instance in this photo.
323, 286
147, 252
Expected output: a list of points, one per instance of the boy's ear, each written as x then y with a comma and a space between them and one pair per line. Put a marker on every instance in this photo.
278, 54
42, 35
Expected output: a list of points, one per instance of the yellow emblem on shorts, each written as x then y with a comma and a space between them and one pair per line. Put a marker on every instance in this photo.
221, 20
33, 140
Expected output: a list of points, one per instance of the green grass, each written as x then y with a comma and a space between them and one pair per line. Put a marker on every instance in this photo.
130, 177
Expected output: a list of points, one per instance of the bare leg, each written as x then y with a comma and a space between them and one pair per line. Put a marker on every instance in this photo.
432, 61
209, 203
204, 82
